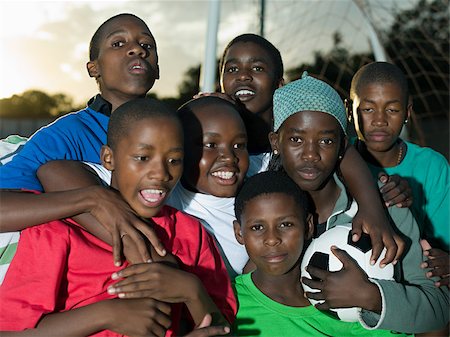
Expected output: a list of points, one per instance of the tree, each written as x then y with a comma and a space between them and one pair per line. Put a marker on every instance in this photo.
35, 104
418, 42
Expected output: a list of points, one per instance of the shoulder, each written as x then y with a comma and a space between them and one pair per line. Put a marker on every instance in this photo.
426, 153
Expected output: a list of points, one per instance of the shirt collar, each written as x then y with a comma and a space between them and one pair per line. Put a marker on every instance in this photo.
99, 104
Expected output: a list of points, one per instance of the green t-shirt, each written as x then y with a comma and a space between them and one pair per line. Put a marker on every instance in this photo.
428, 174
258, 315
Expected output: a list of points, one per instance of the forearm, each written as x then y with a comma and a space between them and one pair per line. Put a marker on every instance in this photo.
200, 303
359, 180
412, 304
77, 322
20, 210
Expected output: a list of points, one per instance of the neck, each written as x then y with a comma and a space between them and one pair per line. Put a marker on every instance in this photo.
325, 199
285, 289
389, 158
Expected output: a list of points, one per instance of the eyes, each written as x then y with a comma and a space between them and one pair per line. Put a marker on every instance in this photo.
369, 110
261, 227
174, 161
236, 146
121, 43
234, 69
326, 141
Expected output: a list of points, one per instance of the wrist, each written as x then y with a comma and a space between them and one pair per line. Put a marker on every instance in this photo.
371, 298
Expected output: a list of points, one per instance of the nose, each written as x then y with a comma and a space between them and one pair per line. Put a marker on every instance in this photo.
244, 75
272, 238
157, 170
137, 49
227, 154
310, 152
379, 118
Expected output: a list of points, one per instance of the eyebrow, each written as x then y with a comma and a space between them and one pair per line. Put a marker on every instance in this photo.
253, 59
333, 131
388, 102
216, 134
151, 147
122, 31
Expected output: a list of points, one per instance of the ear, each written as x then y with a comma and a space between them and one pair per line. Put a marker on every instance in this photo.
309, 230
409, 108
348, 109
107, 157
273, 139
157, 71
281, 82
91, 67
238, 232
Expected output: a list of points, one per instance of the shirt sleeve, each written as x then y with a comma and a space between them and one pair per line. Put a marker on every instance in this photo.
411, 304
33, 285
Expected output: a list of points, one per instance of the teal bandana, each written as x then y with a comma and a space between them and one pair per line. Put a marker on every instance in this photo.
307, 94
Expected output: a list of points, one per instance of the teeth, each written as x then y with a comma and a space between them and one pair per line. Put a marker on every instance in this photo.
152, 195
137, 67
244, 92
223, 174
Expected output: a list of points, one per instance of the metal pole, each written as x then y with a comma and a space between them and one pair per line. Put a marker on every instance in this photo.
208, 71
262, 14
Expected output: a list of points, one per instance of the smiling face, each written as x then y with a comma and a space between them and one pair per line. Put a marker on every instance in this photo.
379, 112
248, 74
309, 144
127, 62
147, 163
216, 159
272, 227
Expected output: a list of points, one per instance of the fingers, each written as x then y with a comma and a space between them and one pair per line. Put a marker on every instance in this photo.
377, 248
317, 275
206, 321
117, 248
137, 241
356, 230
395, 247
425, 245
343, 256
154, 240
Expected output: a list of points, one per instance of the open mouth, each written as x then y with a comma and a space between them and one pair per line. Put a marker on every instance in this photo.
225, 177
244, 94
152, 197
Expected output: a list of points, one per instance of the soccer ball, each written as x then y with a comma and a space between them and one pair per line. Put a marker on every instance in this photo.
319, 254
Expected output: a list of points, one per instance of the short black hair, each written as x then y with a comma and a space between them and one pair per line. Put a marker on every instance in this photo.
188, 107
269, 182
263, 43
132, 111
94, 48
379, 73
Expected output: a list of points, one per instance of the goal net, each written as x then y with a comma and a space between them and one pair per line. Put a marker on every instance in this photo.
332, 39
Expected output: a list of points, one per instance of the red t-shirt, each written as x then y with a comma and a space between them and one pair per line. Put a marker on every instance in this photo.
59, 266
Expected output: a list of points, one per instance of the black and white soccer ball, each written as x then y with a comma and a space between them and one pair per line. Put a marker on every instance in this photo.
319, 255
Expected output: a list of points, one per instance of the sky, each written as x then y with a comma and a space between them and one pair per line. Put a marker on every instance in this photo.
44, 44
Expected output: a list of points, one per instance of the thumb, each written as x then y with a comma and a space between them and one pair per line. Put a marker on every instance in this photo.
206, 321
425, 244
342, 256
383, 177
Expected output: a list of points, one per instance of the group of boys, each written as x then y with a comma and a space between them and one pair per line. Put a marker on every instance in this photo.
143, 145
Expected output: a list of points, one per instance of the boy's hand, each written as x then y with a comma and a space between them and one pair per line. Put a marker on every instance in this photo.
381, 233
346, 288
205, 329
438, 262
121, 221
155, 280
395, 190
137, 317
